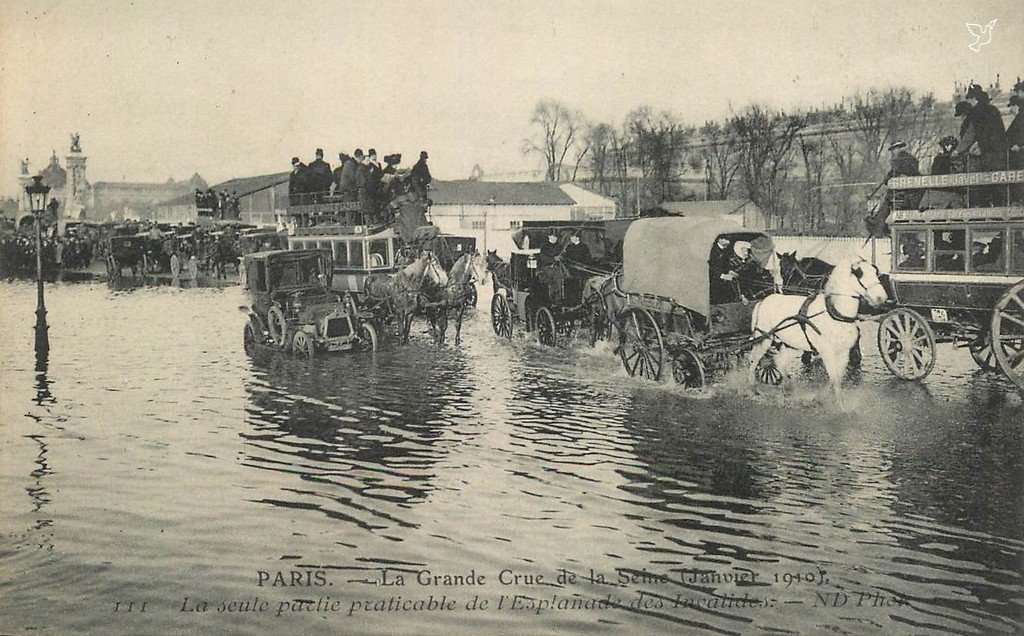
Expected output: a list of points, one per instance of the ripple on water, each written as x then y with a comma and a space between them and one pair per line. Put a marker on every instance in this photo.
153, 456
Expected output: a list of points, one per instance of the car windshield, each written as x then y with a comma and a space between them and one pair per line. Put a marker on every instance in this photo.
296, 273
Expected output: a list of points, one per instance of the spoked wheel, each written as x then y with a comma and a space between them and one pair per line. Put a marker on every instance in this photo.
981, 351
906, 344
501, 316
277, 326
688, 369
302, 345
600, 326
547, 330
1008, 333
640, 344
767, 371
249, 339
367, 337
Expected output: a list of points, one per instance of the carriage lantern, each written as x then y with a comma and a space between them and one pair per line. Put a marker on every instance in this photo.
37, 191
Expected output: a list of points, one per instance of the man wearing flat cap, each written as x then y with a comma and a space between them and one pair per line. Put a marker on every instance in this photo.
902, 164
297, 181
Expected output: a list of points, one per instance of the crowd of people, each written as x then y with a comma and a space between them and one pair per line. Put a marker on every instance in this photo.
219, 205
357, 178
69, 251
984, 144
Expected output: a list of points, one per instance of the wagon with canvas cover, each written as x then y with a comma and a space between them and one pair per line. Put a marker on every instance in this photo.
673, 306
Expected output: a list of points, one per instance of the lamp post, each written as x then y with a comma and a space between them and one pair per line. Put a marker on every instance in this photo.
37, 191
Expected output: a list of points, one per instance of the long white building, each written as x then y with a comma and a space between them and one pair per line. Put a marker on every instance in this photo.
492, 211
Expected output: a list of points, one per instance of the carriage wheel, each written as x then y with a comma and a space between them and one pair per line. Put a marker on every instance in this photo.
982, 352
501, 316
640, 344
688, 369
767, 371
367, 337
907, 344
547, 330
1008, 333
277, 326
600, 326
249, 339
302, 345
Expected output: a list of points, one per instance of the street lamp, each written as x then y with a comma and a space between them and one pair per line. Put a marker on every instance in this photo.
37, 191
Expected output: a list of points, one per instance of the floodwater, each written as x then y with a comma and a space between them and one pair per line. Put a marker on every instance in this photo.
149, 460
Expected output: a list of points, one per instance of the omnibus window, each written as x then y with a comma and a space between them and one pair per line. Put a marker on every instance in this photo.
911, 248
950, 250
1017, 251
340, 253
379, 253
988, 250
355, 254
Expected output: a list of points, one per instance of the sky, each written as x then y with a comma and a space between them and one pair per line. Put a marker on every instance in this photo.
229, 89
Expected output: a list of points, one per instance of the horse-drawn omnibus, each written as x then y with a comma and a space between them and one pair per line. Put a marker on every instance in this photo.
957, 275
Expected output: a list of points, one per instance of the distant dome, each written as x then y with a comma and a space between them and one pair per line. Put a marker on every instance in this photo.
53, 175
198, 182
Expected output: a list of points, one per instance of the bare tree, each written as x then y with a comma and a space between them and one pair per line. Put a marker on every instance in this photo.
721, 158
557, 130
657, 141
765, 140
600, 141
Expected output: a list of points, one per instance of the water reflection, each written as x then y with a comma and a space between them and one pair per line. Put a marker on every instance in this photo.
360, 432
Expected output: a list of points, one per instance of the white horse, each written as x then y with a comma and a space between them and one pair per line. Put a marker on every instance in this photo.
825, 322
453, 294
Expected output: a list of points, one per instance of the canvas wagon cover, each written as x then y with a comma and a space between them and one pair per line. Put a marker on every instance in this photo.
668, 256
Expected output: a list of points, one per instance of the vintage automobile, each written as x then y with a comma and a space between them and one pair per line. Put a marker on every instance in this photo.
293, 307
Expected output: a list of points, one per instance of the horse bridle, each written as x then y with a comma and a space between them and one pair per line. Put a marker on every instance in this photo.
830, 307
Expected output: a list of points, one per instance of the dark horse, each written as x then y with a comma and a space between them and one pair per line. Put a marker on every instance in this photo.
497, 267
803, 275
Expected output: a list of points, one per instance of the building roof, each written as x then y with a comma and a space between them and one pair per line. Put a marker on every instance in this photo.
241, 186
469, 192
586, 198
706, 208
247, 185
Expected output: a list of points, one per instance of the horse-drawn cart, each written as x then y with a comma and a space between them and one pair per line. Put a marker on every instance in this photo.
547, 285
957, 276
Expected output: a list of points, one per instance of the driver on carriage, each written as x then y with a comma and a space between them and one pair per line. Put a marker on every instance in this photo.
551, 273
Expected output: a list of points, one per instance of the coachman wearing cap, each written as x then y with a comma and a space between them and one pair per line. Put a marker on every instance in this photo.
902, 164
